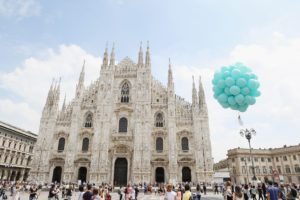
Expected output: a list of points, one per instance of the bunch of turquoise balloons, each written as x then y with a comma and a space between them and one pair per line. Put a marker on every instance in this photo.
235, 87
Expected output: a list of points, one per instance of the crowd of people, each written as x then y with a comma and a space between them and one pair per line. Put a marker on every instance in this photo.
181, 191
260, 191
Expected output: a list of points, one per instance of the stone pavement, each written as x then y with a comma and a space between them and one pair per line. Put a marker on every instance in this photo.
115, 196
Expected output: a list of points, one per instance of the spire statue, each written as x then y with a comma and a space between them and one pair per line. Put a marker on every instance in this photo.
112, 56
140, 61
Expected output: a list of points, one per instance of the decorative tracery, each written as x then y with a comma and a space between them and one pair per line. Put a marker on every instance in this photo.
125, 93
88, 121
159, 120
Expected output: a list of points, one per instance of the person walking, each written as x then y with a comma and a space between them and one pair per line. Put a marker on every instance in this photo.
246, 192
120, 192
170, 194
272, 192
238, 194
264, 188
260, 192
88, 194
69, 192
253, 192
291, 192
204, 188
33, 192
228, 191
96, 194
187, 193
52, 192
198, 192
81, 192
16, 194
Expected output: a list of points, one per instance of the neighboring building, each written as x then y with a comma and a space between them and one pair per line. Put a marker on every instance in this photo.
16, 151
285, 160
125, 127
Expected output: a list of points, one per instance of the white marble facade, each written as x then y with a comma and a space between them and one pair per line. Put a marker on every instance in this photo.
125, 127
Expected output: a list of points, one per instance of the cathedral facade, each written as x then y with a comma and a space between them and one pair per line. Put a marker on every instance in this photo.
125, 127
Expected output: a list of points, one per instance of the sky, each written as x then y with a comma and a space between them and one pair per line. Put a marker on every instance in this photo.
42, 40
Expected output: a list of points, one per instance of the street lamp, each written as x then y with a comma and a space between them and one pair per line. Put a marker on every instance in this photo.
246, 169
248, 133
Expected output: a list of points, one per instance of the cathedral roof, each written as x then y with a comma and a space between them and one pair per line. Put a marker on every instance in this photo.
126, 62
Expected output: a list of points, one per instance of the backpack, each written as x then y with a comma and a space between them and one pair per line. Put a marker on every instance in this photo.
294, 192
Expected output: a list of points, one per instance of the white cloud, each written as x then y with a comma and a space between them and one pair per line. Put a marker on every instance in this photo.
19, 8
32, 80
20, 114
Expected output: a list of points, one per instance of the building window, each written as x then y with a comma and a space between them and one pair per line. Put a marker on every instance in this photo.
262, 159
277, 159
125, 93
185, 144
85, 144
232, 159
297, 168
17, 161
287, 169
9, 144
294, 157
279, 169
242, 159
28, 161
5, 159
3, 142
256, 159
61, 144
88, 121
271, 169
234, 171
159, 144
22, 161
159, 120
249, 159
257, 170
15, 145
284, 158
269, 159
123, 123
20, 147
264, 170
244, 171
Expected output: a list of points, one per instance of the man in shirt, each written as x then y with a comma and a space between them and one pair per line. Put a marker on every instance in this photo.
32, 192
88, 194
187, 193
272, 192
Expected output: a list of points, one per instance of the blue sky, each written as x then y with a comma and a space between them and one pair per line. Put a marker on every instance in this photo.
45, 39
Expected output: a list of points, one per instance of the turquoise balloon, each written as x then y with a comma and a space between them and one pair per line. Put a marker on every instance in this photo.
235, 87
236, 73
227, 91
229, 81
252, 84
234, 90
221, 83
231, 100
241, 82
222, 98
239, 98
245, 91
226, 74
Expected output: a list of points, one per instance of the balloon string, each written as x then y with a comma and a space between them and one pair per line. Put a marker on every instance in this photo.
240, 119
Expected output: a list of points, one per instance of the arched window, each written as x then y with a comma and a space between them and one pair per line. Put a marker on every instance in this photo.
61, 144
159, 120
159, 144
88, 121
185, 144
297, 168
125, 93
123, 123
28, 161
85, 144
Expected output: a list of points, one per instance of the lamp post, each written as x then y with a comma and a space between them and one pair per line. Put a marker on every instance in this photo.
246, 169
248, 133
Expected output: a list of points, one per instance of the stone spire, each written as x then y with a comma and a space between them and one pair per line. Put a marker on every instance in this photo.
140, 61
170, 75
105, 57
148, 62
112, 56
50, 94
194, 94
202, 102
57, 92
64, 104
80, 85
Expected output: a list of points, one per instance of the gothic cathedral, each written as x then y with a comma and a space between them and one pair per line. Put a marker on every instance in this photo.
125, 127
